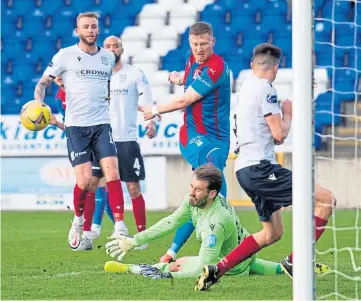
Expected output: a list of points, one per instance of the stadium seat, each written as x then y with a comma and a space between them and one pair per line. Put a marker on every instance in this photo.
199, 5
159, 82
183, 17
147, 60
164, 40
152, 17
134, 40
169, 5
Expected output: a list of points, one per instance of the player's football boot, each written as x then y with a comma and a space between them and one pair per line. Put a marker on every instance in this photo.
207, 278
287, 266
86, 241
116, 267
321, 268
74, 235
142, 247
166, 259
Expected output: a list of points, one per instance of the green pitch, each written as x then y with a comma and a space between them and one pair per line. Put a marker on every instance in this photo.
36, 263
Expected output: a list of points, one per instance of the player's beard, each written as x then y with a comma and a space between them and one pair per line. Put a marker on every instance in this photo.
117, 58
85, 41
199, 203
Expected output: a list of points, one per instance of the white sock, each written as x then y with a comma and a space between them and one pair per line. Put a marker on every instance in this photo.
78, 219
119, 225
172, 254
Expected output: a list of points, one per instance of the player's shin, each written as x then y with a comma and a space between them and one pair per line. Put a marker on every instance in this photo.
116, 201
139, 212
78, 201
88, 211
99, 206
243, 251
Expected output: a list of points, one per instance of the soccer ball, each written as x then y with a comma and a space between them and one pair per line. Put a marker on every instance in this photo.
35, 115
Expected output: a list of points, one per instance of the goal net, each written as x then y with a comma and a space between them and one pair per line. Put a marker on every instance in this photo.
337, 161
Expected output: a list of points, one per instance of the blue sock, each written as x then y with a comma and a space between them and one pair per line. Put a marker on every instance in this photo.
99, 206
181, 236
107, 207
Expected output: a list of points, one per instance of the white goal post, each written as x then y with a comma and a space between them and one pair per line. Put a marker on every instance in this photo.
302, 154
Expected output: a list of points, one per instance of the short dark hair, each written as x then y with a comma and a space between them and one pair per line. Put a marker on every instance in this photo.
266, 54
211, 174
200, 28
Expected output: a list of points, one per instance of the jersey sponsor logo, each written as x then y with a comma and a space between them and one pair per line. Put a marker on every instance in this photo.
79, 58
92, 73
212, 226
104, 60
211, 240
74, 155
119, 91
271, 98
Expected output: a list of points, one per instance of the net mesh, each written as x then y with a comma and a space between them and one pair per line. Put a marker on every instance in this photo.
337, 32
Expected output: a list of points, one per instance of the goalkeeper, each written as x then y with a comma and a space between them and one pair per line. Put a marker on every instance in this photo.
218, 229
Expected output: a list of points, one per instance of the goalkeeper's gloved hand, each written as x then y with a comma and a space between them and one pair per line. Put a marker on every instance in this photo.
152, 272
119, 246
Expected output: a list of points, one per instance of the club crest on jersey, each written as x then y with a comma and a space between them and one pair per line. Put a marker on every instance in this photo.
104, 60
197, 140
271, 98
196, 73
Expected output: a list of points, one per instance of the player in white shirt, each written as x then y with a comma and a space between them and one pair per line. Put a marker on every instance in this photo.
262, 123
86, 69
129, 90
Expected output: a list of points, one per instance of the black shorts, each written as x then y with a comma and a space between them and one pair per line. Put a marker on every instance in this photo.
87, 142
268, 185
130, 160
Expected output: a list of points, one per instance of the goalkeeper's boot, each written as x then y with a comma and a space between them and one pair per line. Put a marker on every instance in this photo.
74, 235
116, 267
287, 266
321, 268
207, 278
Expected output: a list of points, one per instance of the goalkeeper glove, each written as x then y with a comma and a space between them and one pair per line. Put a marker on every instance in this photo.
120, 246
152, 272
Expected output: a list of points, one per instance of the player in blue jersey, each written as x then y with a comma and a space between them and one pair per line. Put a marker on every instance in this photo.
205, 135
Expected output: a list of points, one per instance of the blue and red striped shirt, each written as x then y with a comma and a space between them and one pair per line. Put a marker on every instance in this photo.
210, 115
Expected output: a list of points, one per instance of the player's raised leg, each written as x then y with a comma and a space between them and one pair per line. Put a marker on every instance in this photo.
324, 206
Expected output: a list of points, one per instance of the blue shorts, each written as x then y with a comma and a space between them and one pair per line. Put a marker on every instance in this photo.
202, 149
88, 142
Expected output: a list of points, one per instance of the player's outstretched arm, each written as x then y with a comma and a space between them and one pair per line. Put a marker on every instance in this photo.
177, 103
41, 86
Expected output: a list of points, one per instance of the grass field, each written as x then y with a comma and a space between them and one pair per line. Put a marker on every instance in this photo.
36, 263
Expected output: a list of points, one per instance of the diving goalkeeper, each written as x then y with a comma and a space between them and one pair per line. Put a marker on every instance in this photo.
218, 229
